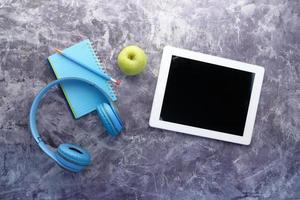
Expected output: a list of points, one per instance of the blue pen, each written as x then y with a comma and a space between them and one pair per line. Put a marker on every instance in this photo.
105, 76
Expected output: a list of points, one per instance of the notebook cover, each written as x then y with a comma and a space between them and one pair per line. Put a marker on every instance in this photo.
82, 98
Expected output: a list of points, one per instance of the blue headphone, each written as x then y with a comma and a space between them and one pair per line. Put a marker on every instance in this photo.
70, 156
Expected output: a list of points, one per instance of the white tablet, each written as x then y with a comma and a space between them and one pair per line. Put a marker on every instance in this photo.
206, 96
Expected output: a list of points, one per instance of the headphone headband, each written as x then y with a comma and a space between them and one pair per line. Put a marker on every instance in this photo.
36, 102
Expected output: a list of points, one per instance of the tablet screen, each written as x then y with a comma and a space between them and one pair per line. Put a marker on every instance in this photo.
207, 96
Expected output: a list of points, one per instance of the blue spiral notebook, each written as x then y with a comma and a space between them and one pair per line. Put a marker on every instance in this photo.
82, 98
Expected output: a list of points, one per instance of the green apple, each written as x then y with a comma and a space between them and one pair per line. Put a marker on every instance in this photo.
132, 60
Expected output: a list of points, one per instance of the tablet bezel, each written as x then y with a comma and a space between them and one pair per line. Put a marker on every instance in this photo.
155, 121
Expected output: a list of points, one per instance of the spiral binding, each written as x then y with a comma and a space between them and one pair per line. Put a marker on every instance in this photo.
100, 65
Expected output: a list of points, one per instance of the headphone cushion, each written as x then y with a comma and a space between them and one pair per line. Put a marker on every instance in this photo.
116, 112
74, 154
106, 121
113, 116
70, 166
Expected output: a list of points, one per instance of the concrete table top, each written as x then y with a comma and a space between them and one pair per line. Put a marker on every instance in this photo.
143, 162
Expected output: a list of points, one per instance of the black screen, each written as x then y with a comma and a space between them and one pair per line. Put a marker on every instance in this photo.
207, 96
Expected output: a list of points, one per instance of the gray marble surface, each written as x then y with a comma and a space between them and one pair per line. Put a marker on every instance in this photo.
143, 162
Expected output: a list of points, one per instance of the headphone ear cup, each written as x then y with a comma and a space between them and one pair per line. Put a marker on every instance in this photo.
106, 121
72, 157
116, 113
113, 116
